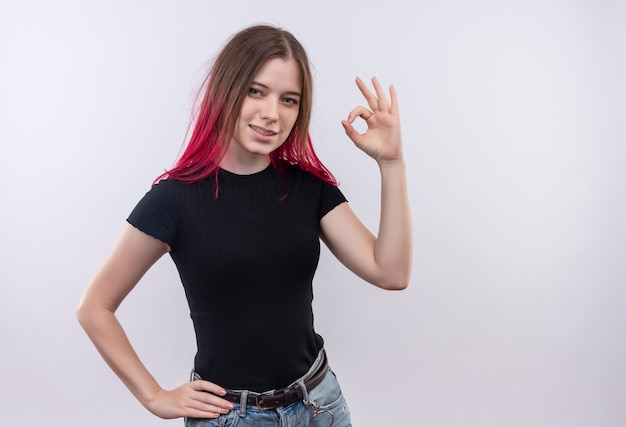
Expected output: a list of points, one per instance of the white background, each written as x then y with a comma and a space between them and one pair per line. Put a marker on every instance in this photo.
514, 127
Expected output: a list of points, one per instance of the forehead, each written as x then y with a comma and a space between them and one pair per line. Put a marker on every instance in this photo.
281, 75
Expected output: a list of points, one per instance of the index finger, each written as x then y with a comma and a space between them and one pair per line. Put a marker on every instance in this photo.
203, 385
369, 96
211, 394
376, 102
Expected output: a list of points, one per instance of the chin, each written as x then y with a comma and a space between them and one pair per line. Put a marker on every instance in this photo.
263, 149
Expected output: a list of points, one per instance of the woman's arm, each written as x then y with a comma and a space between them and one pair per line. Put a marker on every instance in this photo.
383, 260
133, 254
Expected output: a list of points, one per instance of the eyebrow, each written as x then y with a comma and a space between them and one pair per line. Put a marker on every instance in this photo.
290, 92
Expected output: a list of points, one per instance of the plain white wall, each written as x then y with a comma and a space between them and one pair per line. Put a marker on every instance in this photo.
513, 118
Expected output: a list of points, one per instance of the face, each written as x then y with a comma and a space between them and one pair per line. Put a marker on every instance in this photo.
268, 114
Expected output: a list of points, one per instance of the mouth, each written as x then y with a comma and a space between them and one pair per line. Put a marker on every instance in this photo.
263, 131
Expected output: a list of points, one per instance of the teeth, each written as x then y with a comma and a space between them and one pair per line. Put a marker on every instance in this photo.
262, 132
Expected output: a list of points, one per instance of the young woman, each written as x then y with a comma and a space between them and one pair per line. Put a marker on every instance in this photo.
241, 214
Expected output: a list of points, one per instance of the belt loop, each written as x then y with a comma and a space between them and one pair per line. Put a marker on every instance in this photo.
303, 390
243, 403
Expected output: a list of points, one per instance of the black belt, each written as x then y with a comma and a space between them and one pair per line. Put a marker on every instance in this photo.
284, 396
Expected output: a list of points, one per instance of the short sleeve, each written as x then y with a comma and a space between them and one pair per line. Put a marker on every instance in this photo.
155, 212
330, 197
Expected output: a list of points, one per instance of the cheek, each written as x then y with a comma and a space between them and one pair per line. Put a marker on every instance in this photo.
292, 120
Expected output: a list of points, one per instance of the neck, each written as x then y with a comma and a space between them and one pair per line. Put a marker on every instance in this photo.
244, 168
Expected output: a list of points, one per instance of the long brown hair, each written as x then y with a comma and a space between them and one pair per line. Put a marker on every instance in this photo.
225, 88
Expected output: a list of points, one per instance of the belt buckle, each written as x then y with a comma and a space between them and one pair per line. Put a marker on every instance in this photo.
277, 396
260, 403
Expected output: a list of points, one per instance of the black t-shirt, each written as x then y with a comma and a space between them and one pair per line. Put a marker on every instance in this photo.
246, 260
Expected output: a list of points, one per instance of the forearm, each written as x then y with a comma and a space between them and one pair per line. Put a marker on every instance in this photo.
393, 246
134, 253
111, 341
383, 260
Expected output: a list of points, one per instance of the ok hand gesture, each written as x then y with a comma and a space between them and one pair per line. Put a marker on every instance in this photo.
382, 140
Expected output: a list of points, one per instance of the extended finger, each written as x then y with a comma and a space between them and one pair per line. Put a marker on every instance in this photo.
209, 394
383, 104
212, 400
369, 96
202, 385
201, 413
394, 100
209, 408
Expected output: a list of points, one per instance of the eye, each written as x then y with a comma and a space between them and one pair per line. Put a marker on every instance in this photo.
254, 92
290, 101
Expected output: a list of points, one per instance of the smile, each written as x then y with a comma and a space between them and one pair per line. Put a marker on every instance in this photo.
262, 131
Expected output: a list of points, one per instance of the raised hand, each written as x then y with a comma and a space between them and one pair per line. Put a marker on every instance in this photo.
382, 140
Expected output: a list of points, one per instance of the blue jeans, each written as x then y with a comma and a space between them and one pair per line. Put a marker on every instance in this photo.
324, 406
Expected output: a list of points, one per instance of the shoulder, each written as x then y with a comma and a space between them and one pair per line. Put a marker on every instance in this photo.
163, 191
306, 185
170, 193
169, 184
174, 186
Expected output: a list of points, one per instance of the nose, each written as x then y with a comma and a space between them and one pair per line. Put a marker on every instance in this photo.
269, 110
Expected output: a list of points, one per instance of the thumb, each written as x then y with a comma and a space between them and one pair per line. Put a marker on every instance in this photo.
352, 133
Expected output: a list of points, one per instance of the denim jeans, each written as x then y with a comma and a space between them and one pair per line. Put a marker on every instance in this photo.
324, 406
